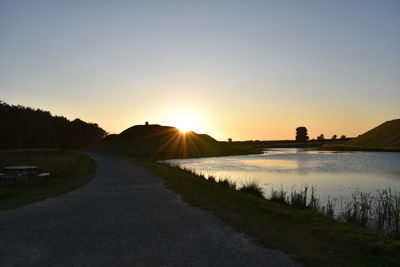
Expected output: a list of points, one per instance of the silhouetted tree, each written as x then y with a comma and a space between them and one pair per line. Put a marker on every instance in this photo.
321, 137
334, 137
24, 127
301, 134
229, 139
343, 137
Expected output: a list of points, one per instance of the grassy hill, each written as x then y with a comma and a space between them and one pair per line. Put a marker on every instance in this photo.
165, 142
385, 137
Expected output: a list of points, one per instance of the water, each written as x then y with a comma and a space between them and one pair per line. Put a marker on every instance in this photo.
335, 175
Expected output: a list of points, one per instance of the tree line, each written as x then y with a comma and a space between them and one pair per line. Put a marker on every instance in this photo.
302, 135
24, 127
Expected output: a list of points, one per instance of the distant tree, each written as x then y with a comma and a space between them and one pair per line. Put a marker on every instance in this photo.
343, 137
334, 137
301, 134
229, 139
321, 137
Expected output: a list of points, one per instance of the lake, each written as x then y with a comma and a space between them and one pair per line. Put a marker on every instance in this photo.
335, 175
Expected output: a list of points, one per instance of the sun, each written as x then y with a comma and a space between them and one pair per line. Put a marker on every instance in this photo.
185, 119
185, 123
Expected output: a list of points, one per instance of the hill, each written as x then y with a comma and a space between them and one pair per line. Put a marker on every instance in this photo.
385, 137
165, 142
24, 127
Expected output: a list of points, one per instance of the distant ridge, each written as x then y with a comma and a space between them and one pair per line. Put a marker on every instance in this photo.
383, 137
166, 142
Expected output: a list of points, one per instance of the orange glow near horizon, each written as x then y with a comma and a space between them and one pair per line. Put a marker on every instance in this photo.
185, 120
185, 123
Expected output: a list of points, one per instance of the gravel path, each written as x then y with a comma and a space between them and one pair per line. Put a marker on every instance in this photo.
124, 217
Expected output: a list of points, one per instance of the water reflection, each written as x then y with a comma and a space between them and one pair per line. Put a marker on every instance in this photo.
278, 164
334, 175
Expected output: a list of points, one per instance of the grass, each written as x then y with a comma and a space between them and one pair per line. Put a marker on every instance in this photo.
310, 238
229, 183
253, 188
388, 212
380, 211
279, 196
68, 170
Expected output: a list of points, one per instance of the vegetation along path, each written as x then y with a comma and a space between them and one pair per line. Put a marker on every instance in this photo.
124, 217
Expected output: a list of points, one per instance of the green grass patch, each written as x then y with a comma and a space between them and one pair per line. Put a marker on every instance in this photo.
310, 238
68, 170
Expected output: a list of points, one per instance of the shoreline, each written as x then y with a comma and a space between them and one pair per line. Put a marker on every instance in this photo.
299, 232
360, 148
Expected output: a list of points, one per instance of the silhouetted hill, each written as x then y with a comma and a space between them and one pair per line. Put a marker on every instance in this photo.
383, 137
165, 142
24, 127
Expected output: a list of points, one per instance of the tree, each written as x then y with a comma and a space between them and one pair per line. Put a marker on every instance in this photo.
24, 127
343, 137
301, 134
321, 137
334, 137
229, 140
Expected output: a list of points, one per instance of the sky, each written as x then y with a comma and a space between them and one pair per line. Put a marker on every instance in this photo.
246, 70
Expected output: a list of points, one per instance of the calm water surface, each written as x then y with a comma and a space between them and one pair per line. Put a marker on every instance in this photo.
334, 174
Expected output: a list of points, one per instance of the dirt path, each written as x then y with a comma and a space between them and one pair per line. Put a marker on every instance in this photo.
124, 217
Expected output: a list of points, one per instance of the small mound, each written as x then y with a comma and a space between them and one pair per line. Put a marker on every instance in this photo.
165, 142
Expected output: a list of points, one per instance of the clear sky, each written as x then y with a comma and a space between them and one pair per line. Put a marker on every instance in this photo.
240, 69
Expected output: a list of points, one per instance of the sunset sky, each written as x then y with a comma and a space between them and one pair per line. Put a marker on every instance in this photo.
239, 69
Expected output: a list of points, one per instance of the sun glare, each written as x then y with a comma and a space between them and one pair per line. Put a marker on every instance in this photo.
185, 120
185, 124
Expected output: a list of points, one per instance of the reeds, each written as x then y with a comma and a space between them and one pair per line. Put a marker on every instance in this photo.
387, 212
227, 182
358, 210
380, 211
279, 196
330, 208
298, 199
253, 188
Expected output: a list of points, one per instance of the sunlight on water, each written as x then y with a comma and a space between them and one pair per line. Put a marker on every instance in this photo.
334, 174
274, 163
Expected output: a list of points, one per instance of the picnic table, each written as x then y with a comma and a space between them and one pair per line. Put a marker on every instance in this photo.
23, 173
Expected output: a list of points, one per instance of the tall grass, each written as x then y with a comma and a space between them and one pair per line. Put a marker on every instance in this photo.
298, 199
279, 196
330, 208
227, 182
252, 187
380, 211
358, 210
387, 212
